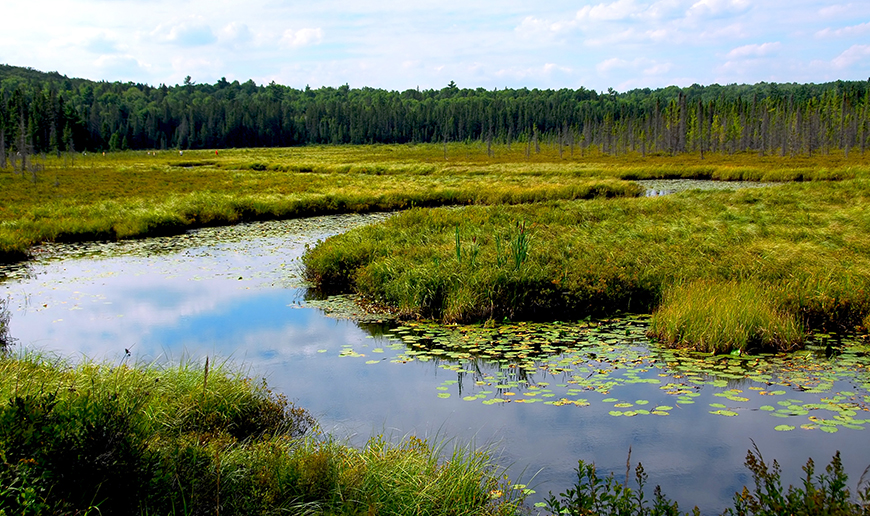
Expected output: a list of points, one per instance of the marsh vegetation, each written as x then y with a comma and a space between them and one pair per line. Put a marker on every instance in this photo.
490, 236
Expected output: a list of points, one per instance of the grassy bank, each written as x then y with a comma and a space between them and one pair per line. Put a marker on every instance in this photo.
803, 247
134, 194
96, 439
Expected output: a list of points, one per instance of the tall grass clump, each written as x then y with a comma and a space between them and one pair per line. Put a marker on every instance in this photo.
202, 439
719, 317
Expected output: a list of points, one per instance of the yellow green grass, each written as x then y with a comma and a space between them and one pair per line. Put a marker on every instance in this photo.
133, 194
108, 440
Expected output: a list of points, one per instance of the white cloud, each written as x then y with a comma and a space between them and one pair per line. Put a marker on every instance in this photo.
102, 44
552, 67
302, 37
852, 55
619, 10
665, 9
854, 30
658, 69
201, 69
534, 27
186, 34
520, 73
836, 10
754, 50
561, 43
611, 64
631, 36
660, 35
122, 67
728, 32
714, 8
236, 33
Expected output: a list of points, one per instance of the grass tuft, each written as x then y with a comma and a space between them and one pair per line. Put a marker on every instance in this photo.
720, 317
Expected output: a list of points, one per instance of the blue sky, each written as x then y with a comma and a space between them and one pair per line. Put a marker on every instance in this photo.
397, 45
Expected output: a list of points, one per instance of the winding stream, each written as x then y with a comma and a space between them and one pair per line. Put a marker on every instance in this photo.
542, 396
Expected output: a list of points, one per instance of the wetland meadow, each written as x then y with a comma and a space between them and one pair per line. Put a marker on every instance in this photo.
434, 329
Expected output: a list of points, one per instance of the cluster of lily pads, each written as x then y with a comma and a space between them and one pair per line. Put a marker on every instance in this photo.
581, 363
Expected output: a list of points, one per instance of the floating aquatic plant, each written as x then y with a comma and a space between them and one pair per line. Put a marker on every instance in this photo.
596, 360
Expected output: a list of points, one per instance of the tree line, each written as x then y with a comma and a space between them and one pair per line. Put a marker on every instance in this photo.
51, 113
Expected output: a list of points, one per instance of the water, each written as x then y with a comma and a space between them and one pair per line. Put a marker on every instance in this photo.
236, 294
658, 187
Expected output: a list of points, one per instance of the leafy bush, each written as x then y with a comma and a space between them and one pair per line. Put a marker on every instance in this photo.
824, 495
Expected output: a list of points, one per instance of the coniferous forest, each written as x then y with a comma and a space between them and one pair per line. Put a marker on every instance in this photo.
51, 113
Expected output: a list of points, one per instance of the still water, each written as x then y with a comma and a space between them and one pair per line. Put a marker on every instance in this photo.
590, 392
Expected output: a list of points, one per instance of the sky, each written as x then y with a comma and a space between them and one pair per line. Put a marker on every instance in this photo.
404, 44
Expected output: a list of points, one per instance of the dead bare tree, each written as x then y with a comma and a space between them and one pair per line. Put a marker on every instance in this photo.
2, 148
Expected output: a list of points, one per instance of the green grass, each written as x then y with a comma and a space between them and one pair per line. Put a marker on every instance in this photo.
97, 439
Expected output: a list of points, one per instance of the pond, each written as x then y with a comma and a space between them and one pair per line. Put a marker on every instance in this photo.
541, 396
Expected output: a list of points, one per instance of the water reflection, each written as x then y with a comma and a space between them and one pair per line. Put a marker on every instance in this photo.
659, 187
5, 337
236, 293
